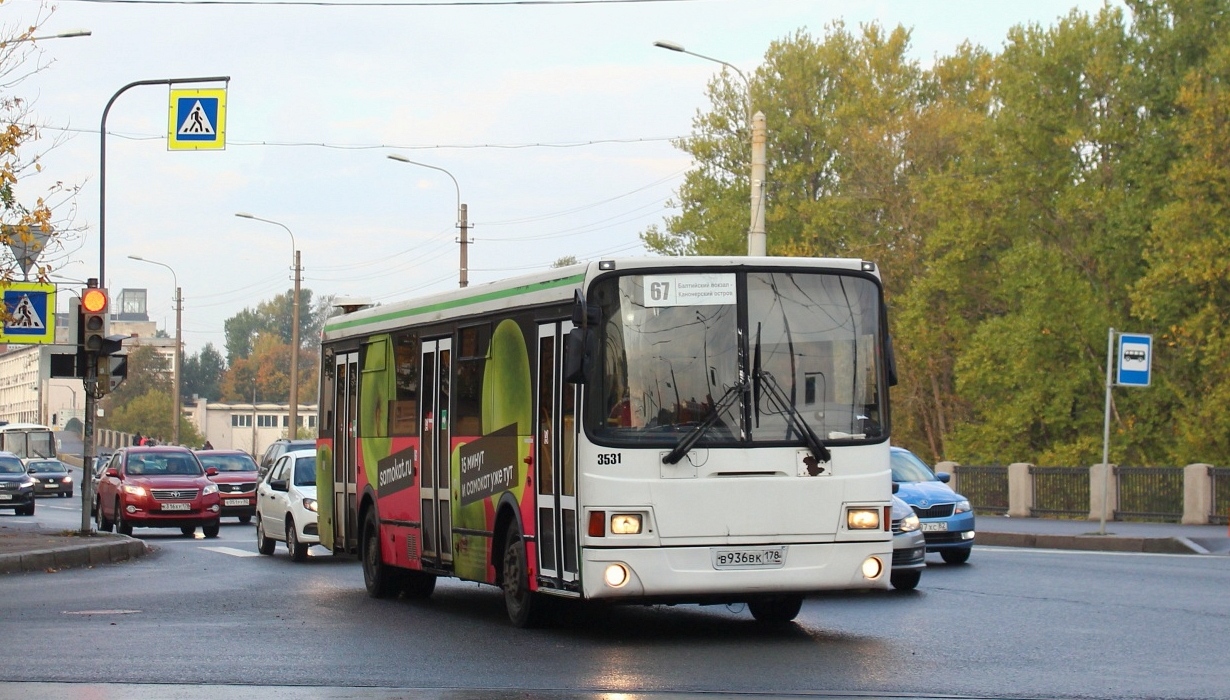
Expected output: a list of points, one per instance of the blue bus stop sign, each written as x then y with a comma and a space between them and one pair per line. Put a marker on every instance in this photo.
1135, 359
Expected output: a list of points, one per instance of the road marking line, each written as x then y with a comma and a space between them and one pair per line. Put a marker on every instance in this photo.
232, 551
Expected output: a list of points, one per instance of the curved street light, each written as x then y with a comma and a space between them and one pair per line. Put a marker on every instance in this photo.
759, 134
293, 418
177, 362
462, 216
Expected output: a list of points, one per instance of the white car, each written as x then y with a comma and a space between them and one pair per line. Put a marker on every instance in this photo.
286, 505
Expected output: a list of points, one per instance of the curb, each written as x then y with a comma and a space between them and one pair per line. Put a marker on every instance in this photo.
74, 556
1092, 543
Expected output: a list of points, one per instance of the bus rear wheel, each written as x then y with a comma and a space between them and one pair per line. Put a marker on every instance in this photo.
525, 608
776, 609
378, 577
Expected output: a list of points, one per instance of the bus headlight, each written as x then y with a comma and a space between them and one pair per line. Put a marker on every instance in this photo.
616, 575
872, 568
626, 524
863, 518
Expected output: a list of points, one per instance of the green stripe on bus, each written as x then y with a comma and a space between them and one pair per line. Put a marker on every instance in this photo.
489, 296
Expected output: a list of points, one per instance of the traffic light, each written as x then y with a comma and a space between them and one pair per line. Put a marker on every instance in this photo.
95, 319
112, 370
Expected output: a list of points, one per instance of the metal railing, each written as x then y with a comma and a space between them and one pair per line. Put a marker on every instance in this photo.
1060, 491
1149, 493
985, 487
1221, 495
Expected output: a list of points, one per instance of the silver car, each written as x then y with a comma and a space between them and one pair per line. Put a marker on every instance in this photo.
909, 548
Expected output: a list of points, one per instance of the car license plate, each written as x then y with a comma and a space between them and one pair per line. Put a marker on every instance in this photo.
51, 486
934, 527
177, 506
750, 558
235, 502
6, 496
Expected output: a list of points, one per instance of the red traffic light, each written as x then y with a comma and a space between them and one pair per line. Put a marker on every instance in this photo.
94, 300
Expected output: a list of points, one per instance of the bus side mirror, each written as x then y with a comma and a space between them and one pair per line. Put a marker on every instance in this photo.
579, 352
584, 315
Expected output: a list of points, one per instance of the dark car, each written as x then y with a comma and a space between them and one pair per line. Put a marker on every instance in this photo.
236, 480
16, 486
945, 516
157, 487
52, 477
280, 447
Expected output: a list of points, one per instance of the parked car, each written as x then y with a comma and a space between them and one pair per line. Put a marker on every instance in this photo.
16, 486
236, 480
945, 516
280, 447
286, 505
909, 548
157, 487
52, 477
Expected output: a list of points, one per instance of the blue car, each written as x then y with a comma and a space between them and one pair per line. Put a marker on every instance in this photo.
945, 516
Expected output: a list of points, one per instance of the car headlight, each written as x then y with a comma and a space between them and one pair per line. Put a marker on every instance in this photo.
310, 504
134, 490
962, 507
209, 489
909, 523
66, 480
29, 483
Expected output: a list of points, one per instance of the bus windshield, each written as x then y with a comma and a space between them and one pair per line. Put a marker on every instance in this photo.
27, 444
673, 345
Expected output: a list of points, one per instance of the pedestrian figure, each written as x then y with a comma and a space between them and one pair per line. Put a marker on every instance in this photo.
137, 439
207, 446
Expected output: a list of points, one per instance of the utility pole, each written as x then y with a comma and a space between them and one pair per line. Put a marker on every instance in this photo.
293, 432
756, 234
179, 362
463, 211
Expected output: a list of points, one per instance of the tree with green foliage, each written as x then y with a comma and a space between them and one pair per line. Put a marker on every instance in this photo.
202, 373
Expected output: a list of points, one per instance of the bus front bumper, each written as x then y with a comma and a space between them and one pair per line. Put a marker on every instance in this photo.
732, 573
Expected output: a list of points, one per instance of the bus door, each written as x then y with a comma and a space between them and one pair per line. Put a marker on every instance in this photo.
555, 463
343, 432
434, 453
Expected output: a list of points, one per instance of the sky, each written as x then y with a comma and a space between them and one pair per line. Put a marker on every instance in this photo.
554, 120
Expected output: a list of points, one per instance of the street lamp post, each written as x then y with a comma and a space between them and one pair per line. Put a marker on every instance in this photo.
177, 363
294, 331
462, 216
62, 35
756, 244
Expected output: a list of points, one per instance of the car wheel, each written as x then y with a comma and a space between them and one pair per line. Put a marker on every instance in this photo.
121, 526
211, 531
245, 519
28, 510
264, 545
188, 531
775, 609
418, 584
525, 608
956, 556
298, 550
104, 525
377, 576
905, 580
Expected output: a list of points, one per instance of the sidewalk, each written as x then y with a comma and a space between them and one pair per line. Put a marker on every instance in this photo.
24, 546
1168, 538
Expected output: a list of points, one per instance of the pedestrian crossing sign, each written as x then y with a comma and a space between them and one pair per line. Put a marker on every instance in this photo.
29, 313
198, 120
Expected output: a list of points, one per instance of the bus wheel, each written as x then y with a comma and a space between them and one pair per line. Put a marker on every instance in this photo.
418, 584
775, 609
525, 608
377, 576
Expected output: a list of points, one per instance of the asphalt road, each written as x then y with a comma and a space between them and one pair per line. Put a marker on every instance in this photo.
1013, 623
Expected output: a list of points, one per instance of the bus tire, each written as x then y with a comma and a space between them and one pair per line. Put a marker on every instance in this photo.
525, 608
418, 585
775, 609
378, 577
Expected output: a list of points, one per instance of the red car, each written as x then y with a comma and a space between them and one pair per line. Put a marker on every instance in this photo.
236, 480
157, 487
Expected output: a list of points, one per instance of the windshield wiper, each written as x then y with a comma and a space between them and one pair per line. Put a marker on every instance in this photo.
711, 419
787, 407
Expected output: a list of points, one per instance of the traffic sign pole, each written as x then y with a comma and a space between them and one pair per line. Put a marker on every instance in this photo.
1110, 359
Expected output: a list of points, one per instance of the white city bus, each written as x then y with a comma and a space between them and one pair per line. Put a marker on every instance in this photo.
28, 440
705, 430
